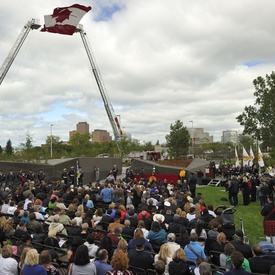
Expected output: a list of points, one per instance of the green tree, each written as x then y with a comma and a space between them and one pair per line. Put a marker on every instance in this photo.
9, 149
258, 119
81, 144
178, 140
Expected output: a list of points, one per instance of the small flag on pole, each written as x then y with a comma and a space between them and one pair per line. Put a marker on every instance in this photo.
245, 157
64, 20
251, 157
260, 157
236, 158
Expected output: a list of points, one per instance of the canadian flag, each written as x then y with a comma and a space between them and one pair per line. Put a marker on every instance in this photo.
64, 20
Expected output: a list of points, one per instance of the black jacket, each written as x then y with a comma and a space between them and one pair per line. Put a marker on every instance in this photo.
178, 267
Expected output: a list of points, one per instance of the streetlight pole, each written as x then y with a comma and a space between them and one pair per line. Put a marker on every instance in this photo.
51, 141
192, 137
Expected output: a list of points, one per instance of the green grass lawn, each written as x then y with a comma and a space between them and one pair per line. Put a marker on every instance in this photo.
251, 216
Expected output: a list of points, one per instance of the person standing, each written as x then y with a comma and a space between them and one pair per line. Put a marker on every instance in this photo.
96, 171
268, 211
115, 171
72, 175
64, 176
200, 175
192, 185
233, 190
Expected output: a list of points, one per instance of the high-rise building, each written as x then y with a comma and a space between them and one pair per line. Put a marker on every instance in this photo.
230, 136
81, 128
199, 136
101, 136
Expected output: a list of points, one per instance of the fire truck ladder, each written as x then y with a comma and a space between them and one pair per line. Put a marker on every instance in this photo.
107, 104
33, 24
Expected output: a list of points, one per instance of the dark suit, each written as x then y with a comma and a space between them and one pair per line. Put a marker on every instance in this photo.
142, 259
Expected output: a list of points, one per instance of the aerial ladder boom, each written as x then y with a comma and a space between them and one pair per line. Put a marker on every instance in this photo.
30, 25
107, 104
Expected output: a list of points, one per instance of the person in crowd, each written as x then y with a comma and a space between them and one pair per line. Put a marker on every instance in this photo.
92, 247
8, 265
200, 231
175, 226
157, 234
59, 227
139, 233
138, 257
26, 242
183, 239
115, 236
101, 263
128, 230
178, 265
171, 237
82, 264
205, 269
159, 267
76, 242
120, 264
164, 255
226, 262
46, 261
123, 246
237, 259
106, 243
245, 191
32, 266
257, 263
268, 212
218, 245
106, 193
240, 246
84, 233
233, 190
194, 249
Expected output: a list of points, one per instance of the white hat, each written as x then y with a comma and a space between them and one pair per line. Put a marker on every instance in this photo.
158, 218
167, 203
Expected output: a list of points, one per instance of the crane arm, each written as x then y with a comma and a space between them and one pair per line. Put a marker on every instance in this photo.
107, 104
30, 25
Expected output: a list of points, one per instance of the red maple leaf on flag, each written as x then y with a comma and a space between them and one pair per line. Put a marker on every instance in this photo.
61, 14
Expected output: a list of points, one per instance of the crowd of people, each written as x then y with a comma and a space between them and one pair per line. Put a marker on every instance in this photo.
118, 225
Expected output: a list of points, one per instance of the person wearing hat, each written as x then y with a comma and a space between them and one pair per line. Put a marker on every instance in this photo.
140, 258
240, 246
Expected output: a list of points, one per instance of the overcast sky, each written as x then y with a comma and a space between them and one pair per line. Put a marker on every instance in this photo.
160, 61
